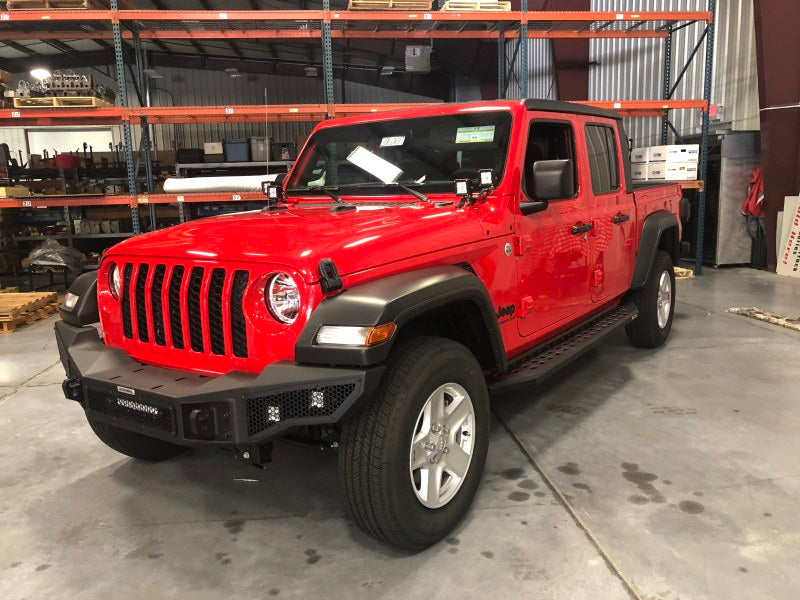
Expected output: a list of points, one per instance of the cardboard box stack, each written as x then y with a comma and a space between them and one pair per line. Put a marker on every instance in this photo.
674, 162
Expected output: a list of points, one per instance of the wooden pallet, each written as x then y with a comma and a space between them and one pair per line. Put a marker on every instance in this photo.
476, 5
390, 5
9, 290
25, 308
681, 273
14, 191
47, 4
61, 102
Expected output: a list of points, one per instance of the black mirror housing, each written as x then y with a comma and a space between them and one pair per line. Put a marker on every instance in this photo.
553, 179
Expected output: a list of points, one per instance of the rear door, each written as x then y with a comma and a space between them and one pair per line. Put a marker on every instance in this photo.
552, 257
613, 213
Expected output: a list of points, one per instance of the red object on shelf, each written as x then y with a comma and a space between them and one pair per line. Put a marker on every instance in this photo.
67, 161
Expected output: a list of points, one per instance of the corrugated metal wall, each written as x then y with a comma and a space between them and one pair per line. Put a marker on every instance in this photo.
541, 70
632, 69
214, 88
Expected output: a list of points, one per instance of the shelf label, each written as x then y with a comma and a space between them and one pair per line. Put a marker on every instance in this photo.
15, 114
143, 200
620, 17
427, 16
228, 110
27, 204
223, 15
294, 110
5, 17
617, 105
179, 198
236, 197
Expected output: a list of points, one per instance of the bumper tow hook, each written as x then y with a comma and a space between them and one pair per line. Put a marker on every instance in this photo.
72, 389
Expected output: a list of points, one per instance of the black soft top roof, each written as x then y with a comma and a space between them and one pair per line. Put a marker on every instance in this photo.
569, 107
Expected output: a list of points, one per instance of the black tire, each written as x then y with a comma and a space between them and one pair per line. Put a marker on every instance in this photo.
134, 444
374, 452
645, 331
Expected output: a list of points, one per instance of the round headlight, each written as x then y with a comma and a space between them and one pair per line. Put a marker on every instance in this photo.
114, 280
282, 298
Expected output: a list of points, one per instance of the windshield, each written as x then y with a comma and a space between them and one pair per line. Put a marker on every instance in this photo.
426, 154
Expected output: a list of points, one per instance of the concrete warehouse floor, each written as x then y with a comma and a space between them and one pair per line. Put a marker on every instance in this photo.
674, 471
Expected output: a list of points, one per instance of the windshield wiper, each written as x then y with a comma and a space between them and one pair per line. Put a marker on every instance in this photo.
377, 184
418, 195
329, 191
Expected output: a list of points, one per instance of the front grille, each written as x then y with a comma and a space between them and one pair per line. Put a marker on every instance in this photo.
156, 305
132, 410
206, 304
175, 319
264, 412
127, 327
141, 305
215, 311
195, 327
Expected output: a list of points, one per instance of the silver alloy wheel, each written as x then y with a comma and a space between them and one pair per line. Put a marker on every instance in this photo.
441, 445
664, 300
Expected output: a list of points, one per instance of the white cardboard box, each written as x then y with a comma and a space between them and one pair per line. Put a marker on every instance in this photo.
672, 171
212, 148
675, 153
639, 171
639, 155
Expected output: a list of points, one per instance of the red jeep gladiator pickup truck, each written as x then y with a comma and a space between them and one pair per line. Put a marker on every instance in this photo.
410, 265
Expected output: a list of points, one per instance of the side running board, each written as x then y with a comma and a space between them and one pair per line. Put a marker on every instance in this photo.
544, 360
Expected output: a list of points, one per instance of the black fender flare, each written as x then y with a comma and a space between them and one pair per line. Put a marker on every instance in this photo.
395, 299
84, 312
652, 229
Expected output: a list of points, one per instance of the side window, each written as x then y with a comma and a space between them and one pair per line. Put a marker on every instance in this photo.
548, 140
603, 163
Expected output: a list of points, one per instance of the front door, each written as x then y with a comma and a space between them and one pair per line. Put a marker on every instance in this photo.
613, 213
552, 245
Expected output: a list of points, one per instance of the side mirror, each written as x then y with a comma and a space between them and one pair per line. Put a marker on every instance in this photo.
553, 179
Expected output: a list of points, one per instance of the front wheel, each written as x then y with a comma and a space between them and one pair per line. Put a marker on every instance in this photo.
656, 304
410, 463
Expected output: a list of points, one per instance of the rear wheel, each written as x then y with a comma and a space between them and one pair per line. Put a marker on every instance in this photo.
134, 444
410, 463
656, 304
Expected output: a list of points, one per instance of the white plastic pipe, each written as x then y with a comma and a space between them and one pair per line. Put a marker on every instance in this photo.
234, 183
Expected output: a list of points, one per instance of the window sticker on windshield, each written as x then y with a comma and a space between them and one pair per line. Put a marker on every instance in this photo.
374, 165
393, 140
475, 135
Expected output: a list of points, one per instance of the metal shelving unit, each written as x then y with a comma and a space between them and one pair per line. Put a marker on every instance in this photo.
323, 26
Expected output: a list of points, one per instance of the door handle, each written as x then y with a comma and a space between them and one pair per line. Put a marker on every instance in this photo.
581, 228
621, 218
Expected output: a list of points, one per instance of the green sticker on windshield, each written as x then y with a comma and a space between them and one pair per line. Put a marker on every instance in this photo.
475, 135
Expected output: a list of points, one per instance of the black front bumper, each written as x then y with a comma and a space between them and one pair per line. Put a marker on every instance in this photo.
234, 409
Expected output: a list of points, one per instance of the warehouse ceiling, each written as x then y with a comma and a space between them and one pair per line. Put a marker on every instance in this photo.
358, 60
